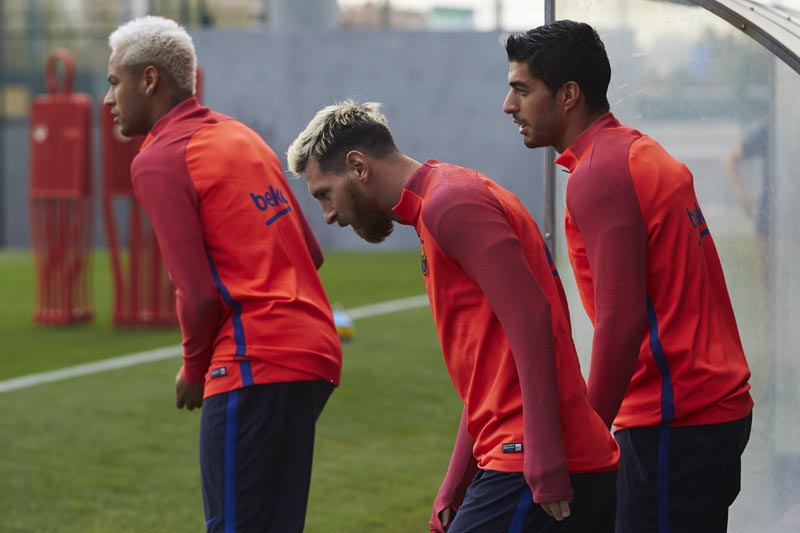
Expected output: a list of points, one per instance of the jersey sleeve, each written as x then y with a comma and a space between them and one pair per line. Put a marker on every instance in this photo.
460, 472
606, 210
170, 200
470, 226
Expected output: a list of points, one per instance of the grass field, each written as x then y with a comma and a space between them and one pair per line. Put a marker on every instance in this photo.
110, 453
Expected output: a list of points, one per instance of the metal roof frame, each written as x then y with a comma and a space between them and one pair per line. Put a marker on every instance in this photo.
770, 24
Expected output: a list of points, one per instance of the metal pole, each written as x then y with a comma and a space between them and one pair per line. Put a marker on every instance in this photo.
550, 167
549, 11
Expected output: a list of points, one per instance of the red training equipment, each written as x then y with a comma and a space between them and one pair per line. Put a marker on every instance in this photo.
61, 197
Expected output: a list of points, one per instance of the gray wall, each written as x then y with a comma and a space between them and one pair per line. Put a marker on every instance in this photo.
442, 94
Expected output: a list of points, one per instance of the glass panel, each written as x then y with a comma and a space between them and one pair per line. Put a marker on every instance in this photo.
727, 108
783, 332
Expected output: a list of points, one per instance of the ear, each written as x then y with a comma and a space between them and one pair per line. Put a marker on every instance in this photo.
569, 95
358, 165
150, 77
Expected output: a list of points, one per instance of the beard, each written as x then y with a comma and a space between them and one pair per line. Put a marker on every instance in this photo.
369, 221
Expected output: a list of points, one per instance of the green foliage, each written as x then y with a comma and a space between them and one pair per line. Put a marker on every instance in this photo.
110, 453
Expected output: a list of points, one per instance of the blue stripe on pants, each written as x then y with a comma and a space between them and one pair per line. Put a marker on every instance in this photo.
230, 462
525, 500
667, 416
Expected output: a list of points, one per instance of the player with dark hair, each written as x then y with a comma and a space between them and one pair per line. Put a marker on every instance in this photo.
667, 368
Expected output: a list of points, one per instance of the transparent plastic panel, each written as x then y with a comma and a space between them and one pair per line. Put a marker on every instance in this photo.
727, 108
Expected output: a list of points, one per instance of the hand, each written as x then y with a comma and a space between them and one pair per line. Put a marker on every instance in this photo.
440, 522
446, 516
187, 394
558, 510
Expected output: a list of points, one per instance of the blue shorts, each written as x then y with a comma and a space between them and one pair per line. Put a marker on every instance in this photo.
679, 479
501, 502
256, 448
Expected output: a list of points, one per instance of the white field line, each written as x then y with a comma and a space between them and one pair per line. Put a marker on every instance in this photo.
124, 361
391, 306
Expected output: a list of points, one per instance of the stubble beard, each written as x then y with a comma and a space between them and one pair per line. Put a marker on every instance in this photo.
370, 222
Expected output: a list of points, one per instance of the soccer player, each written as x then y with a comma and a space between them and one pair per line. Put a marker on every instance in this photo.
260, 350
502, 322
667, 368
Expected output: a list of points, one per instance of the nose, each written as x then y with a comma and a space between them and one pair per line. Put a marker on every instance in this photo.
108, 99
510, 104
329, 213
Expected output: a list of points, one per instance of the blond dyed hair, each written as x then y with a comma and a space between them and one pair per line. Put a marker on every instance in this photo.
337, 129
160, 42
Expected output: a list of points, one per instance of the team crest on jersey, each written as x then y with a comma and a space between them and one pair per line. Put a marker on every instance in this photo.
424, 259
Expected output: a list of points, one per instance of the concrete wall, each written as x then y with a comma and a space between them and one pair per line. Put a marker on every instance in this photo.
442, 94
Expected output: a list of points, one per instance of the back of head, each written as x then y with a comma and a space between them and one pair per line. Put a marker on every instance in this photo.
159, 42
564, 51
338, 129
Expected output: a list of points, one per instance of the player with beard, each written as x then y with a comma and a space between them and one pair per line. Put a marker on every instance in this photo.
527, 431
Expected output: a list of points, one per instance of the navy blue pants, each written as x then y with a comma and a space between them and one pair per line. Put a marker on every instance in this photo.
501, 502
256, 448
680, 479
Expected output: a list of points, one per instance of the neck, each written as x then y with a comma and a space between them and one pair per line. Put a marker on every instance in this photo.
577, 127
162, 106
395, 170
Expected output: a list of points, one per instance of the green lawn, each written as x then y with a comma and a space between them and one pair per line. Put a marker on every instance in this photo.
110, 453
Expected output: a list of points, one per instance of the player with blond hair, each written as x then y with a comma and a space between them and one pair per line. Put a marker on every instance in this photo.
527, 433
260, 350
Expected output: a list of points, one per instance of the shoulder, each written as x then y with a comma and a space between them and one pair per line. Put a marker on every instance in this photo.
604, 182
157, 158
227, 139
612, 149
455, 187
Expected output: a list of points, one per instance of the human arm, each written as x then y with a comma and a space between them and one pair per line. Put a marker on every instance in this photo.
733, 171
471, 227
172, 207
460, 471
608, 215
755, 145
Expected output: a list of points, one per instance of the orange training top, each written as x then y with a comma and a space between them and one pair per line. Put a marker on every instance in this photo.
503, 324
237, 247
652, 284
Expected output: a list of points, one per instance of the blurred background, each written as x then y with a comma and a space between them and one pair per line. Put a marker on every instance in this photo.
715, 82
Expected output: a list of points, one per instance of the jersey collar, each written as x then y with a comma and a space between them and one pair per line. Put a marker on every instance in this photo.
410, 205
183, 108
583, 142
